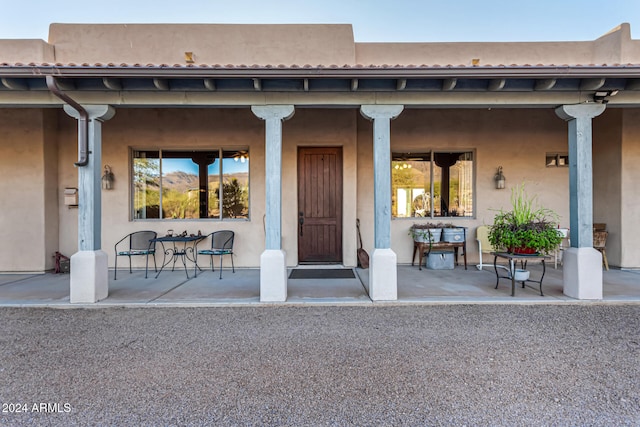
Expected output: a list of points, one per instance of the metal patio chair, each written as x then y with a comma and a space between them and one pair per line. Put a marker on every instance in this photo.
221, 245
138, 243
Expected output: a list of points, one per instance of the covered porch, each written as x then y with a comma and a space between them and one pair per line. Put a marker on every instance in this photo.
458, 286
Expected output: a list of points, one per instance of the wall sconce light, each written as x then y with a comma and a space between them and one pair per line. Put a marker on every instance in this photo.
107, 178
499, 179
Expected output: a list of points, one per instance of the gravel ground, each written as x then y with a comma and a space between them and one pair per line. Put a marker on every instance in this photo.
463, 365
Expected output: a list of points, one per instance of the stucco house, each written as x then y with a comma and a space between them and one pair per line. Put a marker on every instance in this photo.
287, 134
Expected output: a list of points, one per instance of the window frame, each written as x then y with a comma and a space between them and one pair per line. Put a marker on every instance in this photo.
432, 152
221, 150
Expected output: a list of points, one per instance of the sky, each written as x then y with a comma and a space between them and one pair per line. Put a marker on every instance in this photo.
372, 20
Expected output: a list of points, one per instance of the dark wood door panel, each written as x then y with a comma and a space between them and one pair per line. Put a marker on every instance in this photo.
320, 204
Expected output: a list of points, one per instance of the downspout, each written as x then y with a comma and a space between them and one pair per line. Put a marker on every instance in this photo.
83, 125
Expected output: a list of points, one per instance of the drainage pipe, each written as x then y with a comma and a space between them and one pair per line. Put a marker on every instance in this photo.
83, 124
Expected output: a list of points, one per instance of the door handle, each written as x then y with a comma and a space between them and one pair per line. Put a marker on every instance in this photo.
301, 221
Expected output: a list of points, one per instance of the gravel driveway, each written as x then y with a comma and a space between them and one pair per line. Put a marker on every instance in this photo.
308, 366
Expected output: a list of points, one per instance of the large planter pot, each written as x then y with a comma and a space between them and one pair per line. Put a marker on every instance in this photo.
453, 235
436, 233
521, 275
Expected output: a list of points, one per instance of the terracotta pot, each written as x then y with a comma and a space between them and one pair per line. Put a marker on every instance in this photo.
522, 251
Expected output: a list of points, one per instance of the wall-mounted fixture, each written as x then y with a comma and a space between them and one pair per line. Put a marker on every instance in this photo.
107, 178
601, 96
189, 57
499, 179
71, 196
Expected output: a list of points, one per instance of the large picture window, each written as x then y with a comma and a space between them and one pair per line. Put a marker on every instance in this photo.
432, 184
188, 184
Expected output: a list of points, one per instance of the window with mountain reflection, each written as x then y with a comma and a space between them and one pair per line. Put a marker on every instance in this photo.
190, 184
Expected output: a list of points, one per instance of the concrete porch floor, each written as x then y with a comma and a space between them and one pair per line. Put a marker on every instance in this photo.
172, 289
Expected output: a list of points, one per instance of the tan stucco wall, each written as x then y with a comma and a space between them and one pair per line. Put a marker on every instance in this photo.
212, 128
608, 179
26, 51
28, 224
630, 190
295, 44
514, 139
211, 43
615, 47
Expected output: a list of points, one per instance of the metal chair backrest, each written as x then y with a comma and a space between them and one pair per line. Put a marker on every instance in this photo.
222, 240
141, 240
482, 234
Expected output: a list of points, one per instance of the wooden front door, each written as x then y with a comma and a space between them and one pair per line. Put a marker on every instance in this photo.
320, 205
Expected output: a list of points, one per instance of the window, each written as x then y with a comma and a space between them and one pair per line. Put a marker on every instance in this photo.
557, 159
187, 184
432, 184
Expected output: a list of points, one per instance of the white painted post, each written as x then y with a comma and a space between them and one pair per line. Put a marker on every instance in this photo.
273, 267
582, 265
383, 266
89, 282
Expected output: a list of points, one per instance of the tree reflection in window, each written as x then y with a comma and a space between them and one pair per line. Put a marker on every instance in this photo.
187, 184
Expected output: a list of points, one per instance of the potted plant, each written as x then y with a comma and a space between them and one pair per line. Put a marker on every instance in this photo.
425, 232
527, 228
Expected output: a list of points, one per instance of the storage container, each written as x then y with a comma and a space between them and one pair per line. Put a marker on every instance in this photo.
437, 260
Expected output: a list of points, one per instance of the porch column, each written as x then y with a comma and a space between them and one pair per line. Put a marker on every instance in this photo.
383, 266
582, 271
273, 266
89, 271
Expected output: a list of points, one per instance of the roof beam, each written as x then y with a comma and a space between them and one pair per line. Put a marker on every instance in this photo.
257, 84
305, 85
633, 84
401, 84
497, 84
162, 84
592, 84
545, 84
354, 84
113, 84
15, 84
449, 84
210, 84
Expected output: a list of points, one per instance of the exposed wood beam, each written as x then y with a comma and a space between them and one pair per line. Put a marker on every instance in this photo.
162, 84
401, 84
66, 84
113, 84
449, 84
592, 84
15, 84
354, 84
633, 84
497, 84
210, 84
257, 84
545, 84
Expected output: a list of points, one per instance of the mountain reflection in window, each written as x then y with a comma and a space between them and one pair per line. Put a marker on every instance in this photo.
190, 184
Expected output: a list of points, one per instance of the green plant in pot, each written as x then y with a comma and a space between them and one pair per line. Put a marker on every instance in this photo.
527, 228
425, 232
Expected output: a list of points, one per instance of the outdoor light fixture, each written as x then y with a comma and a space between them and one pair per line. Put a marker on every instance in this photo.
107, 178
499, 179
601, 96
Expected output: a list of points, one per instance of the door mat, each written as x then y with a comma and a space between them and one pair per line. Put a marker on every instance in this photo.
322, 273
